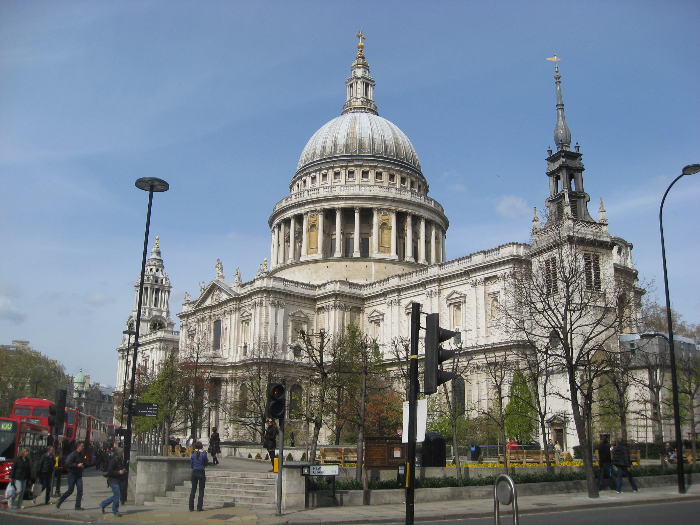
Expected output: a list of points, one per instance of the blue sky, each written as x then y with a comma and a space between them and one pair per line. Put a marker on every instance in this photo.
220, 98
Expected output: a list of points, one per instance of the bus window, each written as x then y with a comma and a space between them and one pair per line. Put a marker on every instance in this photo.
8, 435
23, 411
40, 412
70, 419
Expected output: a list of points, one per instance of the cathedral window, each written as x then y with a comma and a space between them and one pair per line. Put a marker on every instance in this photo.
336, 176
550, 275
392, 178
364, 247
591, 263
349, 246
365, 175
216, 345
378, 176
403, 181
313, 180
456, 315
296, 402
351, 174
324, 177
413, 185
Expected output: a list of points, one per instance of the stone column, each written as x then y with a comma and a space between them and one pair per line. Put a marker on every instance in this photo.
444, 249
304, 235
356, 238
280, 258
320, 234
292, 242
338, 239
394, 255
409, 237
375, 232
273, 250
433, 251
421, 244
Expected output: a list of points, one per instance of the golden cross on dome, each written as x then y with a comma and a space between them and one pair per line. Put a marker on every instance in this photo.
555, 59
156, 241
360, 46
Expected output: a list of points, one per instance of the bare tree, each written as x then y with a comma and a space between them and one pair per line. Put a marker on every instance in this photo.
316, 404
567, 307
400, 352
460, 366
689, 388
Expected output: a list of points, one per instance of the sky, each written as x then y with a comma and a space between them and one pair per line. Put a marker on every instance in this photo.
219, 98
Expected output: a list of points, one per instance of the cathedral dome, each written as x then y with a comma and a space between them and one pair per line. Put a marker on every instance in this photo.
359, 134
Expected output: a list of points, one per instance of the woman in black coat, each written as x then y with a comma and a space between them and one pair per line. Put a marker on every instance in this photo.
214, 445
270, 442
20, 477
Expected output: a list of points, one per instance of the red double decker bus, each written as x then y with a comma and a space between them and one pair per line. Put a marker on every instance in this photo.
15, 436
32, 410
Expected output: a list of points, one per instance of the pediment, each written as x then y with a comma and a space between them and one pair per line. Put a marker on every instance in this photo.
215, 293
455, 297
300, 315
375, 315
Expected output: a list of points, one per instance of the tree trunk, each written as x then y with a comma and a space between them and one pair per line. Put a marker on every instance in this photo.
580, 423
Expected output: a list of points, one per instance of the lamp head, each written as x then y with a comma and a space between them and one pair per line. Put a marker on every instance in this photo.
152, 184
691, 169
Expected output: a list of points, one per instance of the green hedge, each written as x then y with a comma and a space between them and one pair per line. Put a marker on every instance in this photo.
531, 477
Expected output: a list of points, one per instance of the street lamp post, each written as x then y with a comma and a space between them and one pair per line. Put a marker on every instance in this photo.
126, 370
151, 185
688, 170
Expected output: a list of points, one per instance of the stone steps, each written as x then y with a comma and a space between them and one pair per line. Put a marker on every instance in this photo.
227, 489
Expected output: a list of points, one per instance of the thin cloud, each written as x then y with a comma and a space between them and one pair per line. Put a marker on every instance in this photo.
98, 299
513, 207
10, 312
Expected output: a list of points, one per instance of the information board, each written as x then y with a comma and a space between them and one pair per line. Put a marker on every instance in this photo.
146, 409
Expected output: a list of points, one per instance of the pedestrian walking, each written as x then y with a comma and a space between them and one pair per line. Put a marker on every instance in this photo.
20, 477
115, 476
47, 464
214, 445
621, 459
270, 442
604, 461
198, 462
75, 463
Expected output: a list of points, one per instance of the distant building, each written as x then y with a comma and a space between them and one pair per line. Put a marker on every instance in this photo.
93, 399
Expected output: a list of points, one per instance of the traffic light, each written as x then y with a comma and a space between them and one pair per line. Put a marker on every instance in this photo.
60, 410
276, 400
435, 354
52, 415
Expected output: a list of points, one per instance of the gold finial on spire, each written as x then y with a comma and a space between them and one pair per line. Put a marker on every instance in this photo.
156, 241
360, 46
265, 263
555, 59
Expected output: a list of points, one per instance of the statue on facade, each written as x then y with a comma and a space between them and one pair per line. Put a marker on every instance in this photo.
237, 277
219, 270
187, 297
202, 286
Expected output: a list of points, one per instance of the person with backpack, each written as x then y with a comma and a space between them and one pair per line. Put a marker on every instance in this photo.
621, 459
45, 472
115, 475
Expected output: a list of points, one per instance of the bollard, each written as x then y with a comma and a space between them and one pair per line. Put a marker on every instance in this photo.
504, 493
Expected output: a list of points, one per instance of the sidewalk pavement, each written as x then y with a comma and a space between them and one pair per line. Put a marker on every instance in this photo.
96, 490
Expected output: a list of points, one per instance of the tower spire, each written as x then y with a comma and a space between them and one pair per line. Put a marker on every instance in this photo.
562, 135
360, 85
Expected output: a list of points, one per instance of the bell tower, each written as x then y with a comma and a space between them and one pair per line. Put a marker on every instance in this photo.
567, 197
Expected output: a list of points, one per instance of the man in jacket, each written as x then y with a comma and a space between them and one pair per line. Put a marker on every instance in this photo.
45, 471
621, 459
75, 465
115, 474
604, 461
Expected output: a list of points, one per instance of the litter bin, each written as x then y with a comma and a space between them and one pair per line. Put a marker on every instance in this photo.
434, 450
476, 452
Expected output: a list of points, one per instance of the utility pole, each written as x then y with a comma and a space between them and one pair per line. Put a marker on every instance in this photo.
412, 414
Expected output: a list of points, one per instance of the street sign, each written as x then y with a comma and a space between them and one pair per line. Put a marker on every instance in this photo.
320, 470
146, 409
